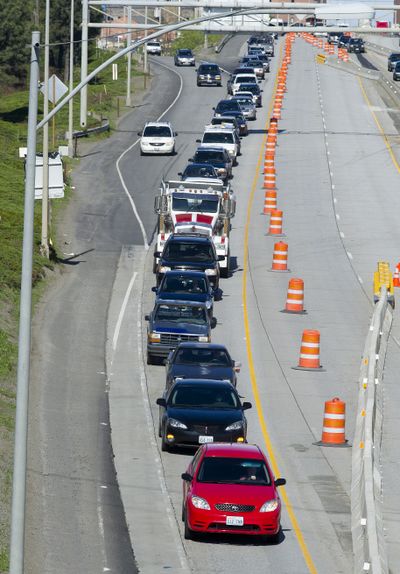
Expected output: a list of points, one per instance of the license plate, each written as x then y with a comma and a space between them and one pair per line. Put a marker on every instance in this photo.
234, 520
204, 439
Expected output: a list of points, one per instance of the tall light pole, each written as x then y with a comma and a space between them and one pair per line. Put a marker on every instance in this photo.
44, 243
71, 83
129, 56
145, 64
84, 60
24, 337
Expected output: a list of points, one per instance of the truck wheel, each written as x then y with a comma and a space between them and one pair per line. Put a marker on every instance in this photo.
155, 265
164, 446
150, 359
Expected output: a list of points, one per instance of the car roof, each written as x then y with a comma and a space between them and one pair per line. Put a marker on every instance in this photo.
184, 50
204, 382
206, 148
194, 345
184, 237
218, 128
209, 64
234, 450
181, 302
179, 272
166, 124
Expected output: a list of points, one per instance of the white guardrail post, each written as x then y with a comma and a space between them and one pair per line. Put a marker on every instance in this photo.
366, 492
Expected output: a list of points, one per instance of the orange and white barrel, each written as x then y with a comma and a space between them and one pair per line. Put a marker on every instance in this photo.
269, 178
275, 222
280, 257
295, 296
270, 201
333, 430
309, 350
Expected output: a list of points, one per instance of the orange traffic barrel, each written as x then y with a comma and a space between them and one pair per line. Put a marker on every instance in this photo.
277, 111
270, 200
295, 297
269, 178
396, 276
272, 137
270, 146
269, 160
333, 430
309, 352
275, 223
279, 257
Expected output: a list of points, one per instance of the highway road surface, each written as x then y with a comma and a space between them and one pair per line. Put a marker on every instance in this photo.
337, 181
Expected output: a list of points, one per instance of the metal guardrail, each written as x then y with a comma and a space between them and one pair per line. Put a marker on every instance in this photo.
369, 547
104, 127
224, 41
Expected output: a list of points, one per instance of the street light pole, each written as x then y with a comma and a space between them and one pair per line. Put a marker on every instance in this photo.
44, 243
145, 64
71, 84
129, 56
24, 337
84, 60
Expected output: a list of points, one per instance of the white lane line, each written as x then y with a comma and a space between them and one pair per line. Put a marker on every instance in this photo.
133, 205
342, 234
349, 255
169, 508
122, 312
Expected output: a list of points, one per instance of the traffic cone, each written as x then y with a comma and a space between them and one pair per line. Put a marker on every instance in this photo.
295, 297
333, 430
269, 201
275, 223
269, 178
309, 352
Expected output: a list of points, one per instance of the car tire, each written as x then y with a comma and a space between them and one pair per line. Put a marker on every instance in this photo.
173, 152
164, 445
155, 265
187, 533
183, 513
150, 359
142, 152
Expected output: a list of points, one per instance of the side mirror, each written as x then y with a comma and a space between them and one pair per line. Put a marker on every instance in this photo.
213, 323
161, 402
191, 159
154, 289
198, 141
187, 477
214, 109
139, 133
175, 134
180, 173
280, 482
246, 406
147, 317
261, 90
221, 257
236, 366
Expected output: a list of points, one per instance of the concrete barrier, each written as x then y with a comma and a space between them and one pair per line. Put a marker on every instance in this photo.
370, 554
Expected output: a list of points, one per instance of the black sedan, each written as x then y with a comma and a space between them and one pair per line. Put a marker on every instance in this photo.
201, 361
217, 157
199, 411
241, 121
199, 170
186, 286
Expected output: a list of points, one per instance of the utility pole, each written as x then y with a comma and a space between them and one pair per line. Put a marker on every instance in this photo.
129, 56
71, 83
24, 337
145, 63
84, 60
44, 243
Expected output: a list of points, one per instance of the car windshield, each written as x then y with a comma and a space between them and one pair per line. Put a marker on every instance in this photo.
242, 79
195, 204
253, 88
210, 397
216, 357
218, 137
184, 53
204, 69
394, 56
183, 284
199, 171
210, 156
153, 44
234, 471
188, 251
181, 314
157, 131
226, 106
356, 41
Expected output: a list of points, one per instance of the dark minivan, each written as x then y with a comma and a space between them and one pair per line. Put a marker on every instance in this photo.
209, 74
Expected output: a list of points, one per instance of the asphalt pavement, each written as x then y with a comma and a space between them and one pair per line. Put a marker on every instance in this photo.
337, 186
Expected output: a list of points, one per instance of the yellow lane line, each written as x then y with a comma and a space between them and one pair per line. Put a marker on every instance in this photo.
380, 128
253, 378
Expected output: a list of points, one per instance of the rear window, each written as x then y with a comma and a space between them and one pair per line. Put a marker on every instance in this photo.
188, 251
210, 156
216, 357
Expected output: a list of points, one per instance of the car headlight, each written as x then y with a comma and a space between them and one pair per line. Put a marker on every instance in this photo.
210, 272
270, 505
164, 269
177, 424
204, 339
217, 77
201, 77
208, 304
200, 503
154, 337
238, 425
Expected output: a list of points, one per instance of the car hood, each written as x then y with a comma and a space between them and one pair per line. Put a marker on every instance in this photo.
202, 416
235, 493
200, 297
183, 328
202, 372
198, 266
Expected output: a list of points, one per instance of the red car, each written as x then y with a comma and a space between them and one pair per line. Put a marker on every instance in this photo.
230, 488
